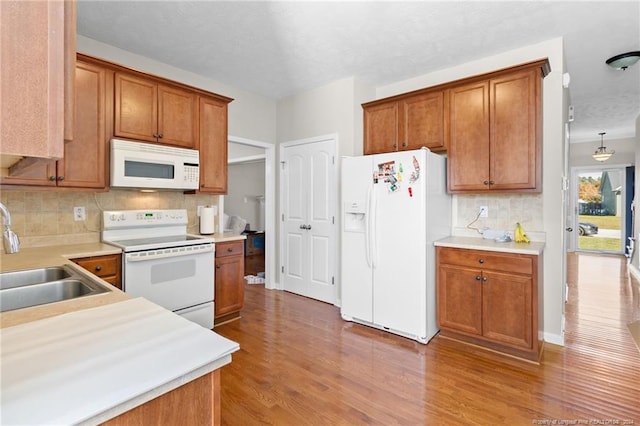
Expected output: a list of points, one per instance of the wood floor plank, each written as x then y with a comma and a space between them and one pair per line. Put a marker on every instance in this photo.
299, 363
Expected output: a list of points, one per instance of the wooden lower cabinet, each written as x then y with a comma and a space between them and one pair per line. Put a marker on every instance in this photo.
229, 281
195, 403
108, 267
490, 299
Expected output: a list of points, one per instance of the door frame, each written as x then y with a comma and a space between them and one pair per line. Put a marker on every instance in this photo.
269, 206
575, 171
335, 190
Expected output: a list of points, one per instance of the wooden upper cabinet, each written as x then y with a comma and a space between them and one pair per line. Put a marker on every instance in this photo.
515, 131
148, 111
32, 36
381, 128
468, 152
212, 144
406, 122
495, 138
86, 157
85, 160
422, 121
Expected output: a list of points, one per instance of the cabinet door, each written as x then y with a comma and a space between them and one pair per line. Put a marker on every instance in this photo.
468, 151
229, 293
460, 299
85, 162
136, 108
381, 128
32, 103
507, 309
212, 144
422, 121
176, 117
515, 155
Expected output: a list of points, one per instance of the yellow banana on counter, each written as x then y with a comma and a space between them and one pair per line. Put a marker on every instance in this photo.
519, 235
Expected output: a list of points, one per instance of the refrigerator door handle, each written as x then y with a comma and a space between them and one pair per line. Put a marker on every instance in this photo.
367, 229
373, 228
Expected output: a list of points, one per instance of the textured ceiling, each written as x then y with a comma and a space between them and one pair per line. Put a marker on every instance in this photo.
280, 48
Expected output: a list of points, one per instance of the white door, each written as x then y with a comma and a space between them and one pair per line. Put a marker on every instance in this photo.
308, 218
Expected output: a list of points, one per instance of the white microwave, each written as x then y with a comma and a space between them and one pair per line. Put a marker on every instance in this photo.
145, 165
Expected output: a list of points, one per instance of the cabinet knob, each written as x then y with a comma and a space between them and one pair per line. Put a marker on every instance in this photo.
52, 178
478, 278
480, 260
569, 229
217, 266
98, 268
486, 182
404, 144
60, 178
491, 182
160, 135
229, 249
395, 145
484, 279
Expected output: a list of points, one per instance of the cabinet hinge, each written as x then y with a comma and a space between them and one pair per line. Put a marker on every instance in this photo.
333, 220
282, 163
282, 217
333, 280
282, 269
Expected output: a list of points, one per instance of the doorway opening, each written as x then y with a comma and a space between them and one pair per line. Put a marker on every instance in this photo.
600, 209
250, 206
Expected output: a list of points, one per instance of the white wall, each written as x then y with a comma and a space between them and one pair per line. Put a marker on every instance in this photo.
550, 206
251, 116
333, 108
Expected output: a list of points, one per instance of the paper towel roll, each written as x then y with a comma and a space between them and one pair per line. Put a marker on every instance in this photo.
207, 220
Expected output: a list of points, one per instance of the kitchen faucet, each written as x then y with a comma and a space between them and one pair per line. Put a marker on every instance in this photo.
9, 238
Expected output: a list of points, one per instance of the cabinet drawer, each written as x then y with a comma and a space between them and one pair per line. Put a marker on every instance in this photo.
504, 262
101, 266
230, 248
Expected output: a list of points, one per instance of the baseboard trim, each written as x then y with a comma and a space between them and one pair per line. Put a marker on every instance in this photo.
555, 339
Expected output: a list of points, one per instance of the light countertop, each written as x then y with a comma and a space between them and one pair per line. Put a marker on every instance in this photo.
474, 243
91, 365
226, 236
89, 359
39, 257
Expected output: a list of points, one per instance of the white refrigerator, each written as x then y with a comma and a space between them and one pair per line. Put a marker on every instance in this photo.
394, 206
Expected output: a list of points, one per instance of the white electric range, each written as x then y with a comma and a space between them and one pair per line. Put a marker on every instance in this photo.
162, 262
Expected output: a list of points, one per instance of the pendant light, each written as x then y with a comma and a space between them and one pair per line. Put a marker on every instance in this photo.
624, 60
601, 153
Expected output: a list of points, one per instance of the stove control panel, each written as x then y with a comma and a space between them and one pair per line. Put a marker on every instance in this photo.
143, 218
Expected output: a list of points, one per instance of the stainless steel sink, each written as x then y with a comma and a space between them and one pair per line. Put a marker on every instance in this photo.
33, 276
32, 287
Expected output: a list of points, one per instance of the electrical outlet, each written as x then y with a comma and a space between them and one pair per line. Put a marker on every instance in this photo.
484, 211
79, 214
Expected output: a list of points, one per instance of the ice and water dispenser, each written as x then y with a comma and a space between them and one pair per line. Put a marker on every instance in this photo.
354, 216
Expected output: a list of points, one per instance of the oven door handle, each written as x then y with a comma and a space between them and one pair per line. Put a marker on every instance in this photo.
143, 256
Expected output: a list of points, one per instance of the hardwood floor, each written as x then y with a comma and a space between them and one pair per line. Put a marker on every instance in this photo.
299, 363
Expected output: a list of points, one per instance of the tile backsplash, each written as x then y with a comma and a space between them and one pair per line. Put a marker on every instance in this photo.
504, 211
42, 218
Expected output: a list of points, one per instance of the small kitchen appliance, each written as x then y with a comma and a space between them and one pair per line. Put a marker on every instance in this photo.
394, 206
162, 263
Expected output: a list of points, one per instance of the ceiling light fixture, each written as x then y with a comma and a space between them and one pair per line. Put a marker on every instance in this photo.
624, 60
601, 153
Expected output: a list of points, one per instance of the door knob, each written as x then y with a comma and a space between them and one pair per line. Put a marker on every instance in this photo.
303, 227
